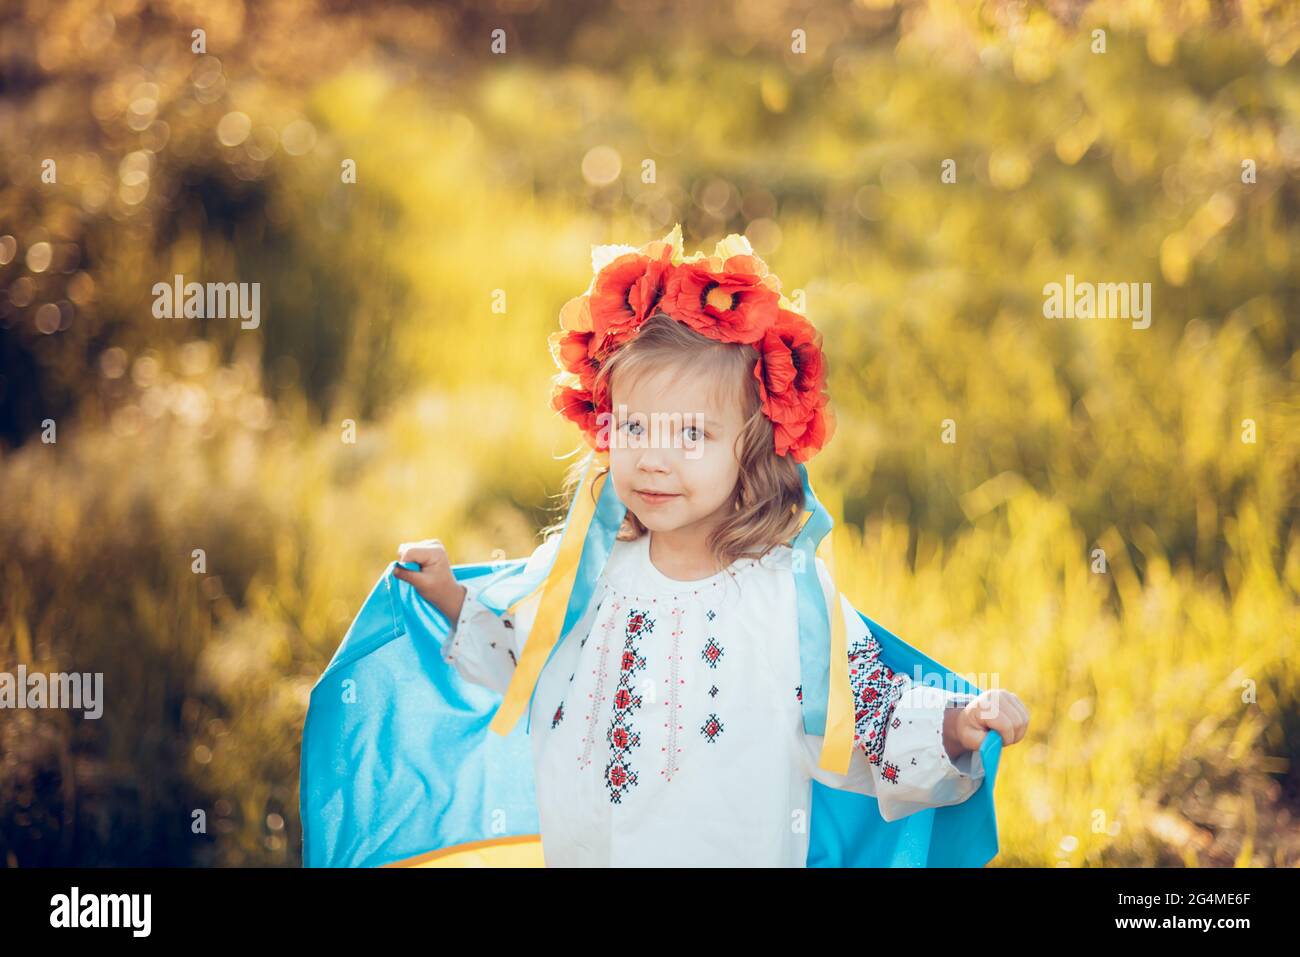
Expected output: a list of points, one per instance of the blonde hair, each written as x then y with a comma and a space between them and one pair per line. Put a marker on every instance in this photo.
768, 498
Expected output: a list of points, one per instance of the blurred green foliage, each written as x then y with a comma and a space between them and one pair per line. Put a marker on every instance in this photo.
1165, 721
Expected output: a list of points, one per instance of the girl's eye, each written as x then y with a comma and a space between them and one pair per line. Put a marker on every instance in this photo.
696, 429
628, 425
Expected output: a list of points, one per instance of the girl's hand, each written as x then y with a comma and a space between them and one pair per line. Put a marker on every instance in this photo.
997, 709
434, 582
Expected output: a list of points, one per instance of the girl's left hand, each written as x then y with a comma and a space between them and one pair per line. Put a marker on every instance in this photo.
994, 710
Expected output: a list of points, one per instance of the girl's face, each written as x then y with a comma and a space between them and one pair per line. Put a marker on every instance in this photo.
670, 434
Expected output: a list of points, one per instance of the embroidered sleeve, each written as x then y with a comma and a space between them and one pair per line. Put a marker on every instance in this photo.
914, 770
898, 754
482, 646
485, 647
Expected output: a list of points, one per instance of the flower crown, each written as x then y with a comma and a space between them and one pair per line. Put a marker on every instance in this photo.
729, 296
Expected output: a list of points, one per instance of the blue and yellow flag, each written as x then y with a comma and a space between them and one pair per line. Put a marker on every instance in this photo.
405, 763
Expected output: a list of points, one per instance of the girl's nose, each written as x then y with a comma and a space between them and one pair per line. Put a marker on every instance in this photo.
652, 460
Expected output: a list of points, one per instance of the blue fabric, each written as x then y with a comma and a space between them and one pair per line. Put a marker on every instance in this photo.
397, 758
814, 616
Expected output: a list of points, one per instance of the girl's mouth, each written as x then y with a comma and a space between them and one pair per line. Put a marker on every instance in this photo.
655, 498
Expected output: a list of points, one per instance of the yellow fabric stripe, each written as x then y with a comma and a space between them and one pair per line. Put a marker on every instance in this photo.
520, 851
557, 588
837, 742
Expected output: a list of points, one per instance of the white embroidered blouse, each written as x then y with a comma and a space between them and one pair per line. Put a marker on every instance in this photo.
667, 729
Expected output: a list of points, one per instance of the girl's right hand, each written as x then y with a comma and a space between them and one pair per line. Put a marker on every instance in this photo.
434, 581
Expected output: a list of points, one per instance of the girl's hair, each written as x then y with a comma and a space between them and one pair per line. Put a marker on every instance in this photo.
768, 498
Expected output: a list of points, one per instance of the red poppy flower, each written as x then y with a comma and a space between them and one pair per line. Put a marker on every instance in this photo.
581, 407
625, 293
802, 439
820, 429
572, 353
729, 297
730, 302
791, 374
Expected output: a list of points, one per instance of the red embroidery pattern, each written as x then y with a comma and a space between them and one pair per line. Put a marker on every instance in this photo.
711, 728
876, 689
622, 736
711, 653
598, 695
674, 681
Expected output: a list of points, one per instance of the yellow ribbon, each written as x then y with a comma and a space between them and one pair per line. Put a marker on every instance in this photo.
837, 742
556, 589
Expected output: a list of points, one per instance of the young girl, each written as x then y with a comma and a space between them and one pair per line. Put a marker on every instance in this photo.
667, 729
